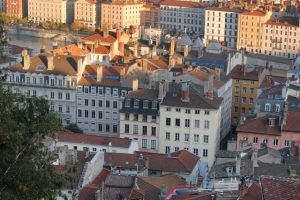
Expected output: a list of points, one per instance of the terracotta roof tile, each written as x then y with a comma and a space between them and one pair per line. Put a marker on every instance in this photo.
292, 122
254, 13
183, 4
93, 139
148, 94
253, 192
99, 37
238, 73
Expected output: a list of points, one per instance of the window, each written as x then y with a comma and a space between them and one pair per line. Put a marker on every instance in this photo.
153, 144
168, 121
275, 142
243, 100
177, 136
255, 140
251, 100
206, 124
177, 122
115, 104
153, 119
144, 130
153, 131
127, 103
252, 90
236, 99
100, 103
287, 143
107, 115
176, 149
79, 113
126, 128
206, 112
196, 138
145, 104
136, 117
187, 123
93, 114
59, 95
197, 123
186, 137
94, 149
86, 102
265, 141
178, 109
100, 115
267, 107
236, 89
197, 112
86, 113
187, 111
277, 108
107, 128
196, 151
167, 149
93, 102
107, 104
115, 128
144, 143
100, 127
135, 129
205, 139
68, 96
168, 109
144, 118
52, 95
244, 90
75, 147
167, 135
205, 152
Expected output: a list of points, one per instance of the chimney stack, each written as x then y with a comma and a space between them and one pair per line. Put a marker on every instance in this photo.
99, 73
135, 84
186, 51
50, 62
26, 59
119, 35
43, 48
54, 45
185, 96
122, 49
105, 33
218, 73
136, 49
162, 90
172, 46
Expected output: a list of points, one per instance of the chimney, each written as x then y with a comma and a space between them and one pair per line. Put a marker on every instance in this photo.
144, 65
161, 91
172, 46
80, 45
135, 84
122, 73
43, 48
254, 158
99, 73
112, 50
105, 33
146, 166
79, 67
185, 96
218, 73
54, 45
136, 49
119, 35
209, 94
208, 87
26, 59
50, 62
186, 51
122, 49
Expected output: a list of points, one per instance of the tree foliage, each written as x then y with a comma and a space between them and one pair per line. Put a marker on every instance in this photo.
73, 128
26, 171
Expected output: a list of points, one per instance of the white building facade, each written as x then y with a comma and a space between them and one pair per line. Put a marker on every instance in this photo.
221, 24
186, 122
182, 15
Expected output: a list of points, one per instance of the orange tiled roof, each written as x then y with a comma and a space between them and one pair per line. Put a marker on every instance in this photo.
254, 13
183, 4
98, 37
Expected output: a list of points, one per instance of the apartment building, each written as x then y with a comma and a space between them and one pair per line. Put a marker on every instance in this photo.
150, 15
119, 13
281, 37
250, 30
182, 15
87, 12
16, 8
2, 6
139, 117
245, 82
51, 76
99, 95
59, 11
221, 24
190, 121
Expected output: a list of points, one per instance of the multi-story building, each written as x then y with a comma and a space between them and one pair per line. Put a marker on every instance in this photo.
281, 37
221, 24
87, 12
119, 13
139, 117
250, 30
150, 16
51, 76
245, 82
60, 11
99, 96
190, 121
182, 15
16, 8
2, 6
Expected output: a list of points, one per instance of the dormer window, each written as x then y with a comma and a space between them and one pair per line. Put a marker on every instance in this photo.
154, 105
267, 107
145, 105
277, 108
127, 103
271, 121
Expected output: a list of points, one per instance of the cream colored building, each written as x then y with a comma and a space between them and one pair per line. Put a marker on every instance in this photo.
59, 11
120, 13
190, 121
281, 38
87, 12
250, 30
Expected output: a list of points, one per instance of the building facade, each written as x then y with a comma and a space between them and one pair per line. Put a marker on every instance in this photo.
139, 118
182, 15
2, 6
119, 13
16, 8
56, 81
192, 122
250, 30
150, 16
99, 96
281, 38
221, 24
59, 11
87, 12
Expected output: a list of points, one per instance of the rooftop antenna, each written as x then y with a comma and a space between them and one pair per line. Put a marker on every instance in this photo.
150, 36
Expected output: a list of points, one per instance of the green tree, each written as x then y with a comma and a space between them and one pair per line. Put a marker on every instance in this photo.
26, 171
73, 128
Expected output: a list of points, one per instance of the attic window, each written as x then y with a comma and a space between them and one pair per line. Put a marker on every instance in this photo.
271, 122
40, 68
